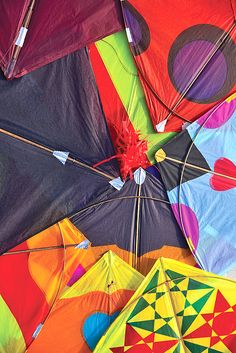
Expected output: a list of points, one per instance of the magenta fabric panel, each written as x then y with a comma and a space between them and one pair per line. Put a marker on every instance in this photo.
57, 28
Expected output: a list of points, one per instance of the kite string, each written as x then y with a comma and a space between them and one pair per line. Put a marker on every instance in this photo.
140, 73
119, 59
116, 199
156, 95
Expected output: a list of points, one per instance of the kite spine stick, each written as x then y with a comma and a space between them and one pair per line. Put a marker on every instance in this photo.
47, 149
193, 166
61, 279
173, 306
56, 247
20, 40
136, 265
218, 44
60, 282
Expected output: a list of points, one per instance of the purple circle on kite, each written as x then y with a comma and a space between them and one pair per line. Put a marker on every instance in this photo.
201, 63
190, 222
189, 61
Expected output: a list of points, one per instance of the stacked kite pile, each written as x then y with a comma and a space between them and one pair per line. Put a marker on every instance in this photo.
118, 161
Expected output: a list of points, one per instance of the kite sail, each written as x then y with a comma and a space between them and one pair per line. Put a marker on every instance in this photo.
117, 128
86, 310
124, 104
135, 222
176, 309
164, 37
37, 123
42, 122
33, 274
51, 135
198, 170
34, 33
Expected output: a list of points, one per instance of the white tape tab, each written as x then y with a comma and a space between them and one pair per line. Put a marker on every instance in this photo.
117, 183
83, 245
21, 36
161, 126
139, 176
37, 331
129, 35
61, 156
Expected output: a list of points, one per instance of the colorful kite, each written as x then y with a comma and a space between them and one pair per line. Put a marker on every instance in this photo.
164, 38
97, 88
85, 311
33, 275
124, 104
199, 173
135, 222
51, 135
35, 33
177, 309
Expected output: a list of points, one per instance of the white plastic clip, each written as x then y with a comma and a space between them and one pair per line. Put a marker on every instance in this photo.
61, 156
160, 127
129, 35
139, 176
83, 245
37, 331
21, 37
117, 183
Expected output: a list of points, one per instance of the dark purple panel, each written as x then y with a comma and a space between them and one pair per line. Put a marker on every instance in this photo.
113, 219
60, 111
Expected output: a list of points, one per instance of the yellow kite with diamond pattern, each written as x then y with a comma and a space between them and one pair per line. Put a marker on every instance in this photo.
177, 309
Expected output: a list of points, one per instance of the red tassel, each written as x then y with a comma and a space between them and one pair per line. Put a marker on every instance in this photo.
131, 151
